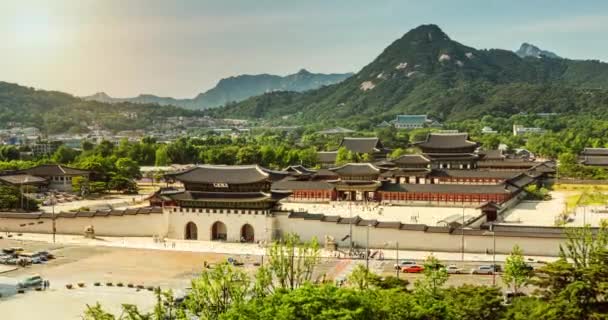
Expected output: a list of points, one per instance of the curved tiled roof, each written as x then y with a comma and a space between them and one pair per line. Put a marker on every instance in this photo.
222, 174
45, 170
362, 145
411, 159
327, 156
291, 184
356, 169
446, 141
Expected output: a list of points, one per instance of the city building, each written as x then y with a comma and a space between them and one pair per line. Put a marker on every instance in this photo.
411, 121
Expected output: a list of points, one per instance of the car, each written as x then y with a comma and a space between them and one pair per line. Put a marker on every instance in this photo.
483, 270
31, 281
453, 269
412, 269
404, 263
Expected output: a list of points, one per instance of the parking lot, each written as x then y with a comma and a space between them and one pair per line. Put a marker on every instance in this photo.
169, 269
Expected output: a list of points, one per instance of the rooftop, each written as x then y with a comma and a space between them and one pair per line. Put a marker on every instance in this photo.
356, 169
446, 141
362, 145
411, 159
411, 119
45, 170
222, 174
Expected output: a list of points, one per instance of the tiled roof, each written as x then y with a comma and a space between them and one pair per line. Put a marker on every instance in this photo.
446, 141
595, 152
22, 179
221, 196
100, 213
477, 174
411, 119
222, 174
327, 156
445, 188
46, 170
361, 145
292, 184
356, 169
411, 159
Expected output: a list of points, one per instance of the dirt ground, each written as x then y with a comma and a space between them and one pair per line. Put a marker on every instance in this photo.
165, 268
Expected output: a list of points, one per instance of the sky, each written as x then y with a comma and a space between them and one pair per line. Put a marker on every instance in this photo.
179, 48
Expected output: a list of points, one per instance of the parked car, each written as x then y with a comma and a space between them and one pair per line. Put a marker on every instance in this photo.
404, 263
483, 270
412, 269
31, 281
453, 269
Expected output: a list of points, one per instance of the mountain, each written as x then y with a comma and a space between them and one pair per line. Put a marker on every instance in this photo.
530, 50
56, 112
236, 89
426, 72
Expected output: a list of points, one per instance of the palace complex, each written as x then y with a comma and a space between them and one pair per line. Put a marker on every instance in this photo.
447, 186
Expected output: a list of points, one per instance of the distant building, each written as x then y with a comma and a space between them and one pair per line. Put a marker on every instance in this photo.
59, 177
362, 145
519, 130
336, 130
597, 157
409, 121
488, 130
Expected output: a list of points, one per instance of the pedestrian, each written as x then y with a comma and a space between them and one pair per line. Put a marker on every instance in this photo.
173, 245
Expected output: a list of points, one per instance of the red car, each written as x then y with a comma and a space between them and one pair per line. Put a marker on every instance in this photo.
412, 269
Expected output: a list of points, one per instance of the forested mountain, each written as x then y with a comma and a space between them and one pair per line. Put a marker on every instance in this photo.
57, 112
530, 50
236, 89
427, 72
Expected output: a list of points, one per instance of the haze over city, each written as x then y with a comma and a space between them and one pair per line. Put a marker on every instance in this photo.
181, 48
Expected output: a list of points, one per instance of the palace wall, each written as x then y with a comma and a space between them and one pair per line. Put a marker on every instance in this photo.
137, 225
433, 239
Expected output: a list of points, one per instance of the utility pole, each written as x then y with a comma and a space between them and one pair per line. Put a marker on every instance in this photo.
493, 255
350, 228
53, 206
462, 238
397, 259
367, 248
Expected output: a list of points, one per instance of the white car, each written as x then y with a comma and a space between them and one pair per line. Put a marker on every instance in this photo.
404, 263
483, 270
453, 269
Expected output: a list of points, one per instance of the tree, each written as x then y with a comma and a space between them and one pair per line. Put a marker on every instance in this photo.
435, 275
343, 156
474, 302
128, 168
517, 272
361, 278
64, 155
8, 153
216, 290
80, 185
577, 284
123, 184
291, 262
161, 158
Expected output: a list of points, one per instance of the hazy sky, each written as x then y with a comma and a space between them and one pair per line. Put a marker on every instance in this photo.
182, 47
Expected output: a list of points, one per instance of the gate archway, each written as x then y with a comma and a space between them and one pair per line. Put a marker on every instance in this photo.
219, 231
247, 233
191, 232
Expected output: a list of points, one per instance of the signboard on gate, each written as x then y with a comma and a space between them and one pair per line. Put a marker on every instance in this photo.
220, 185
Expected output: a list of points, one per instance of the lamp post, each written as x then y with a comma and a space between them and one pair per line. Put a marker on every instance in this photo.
397, 257
462, 237
53, 214
367, 248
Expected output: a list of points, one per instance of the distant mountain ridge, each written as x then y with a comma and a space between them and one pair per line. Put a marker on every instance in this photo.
530, 50
426, 72
235, 89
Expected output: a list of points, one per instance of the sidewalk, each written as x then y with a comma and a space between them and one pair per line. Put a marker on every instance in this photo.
247, 248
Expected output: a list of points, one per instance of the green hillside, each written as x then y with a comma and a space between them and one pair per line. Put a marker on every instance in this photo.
427, 72
57, 112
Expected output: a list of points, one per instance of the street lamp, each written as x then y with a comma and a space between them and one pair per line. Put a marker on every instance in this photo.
367, 248
462, 238
493, 253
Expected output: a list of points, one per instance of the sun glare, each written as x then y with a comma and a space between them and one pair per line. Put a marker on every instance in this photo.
35, 29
